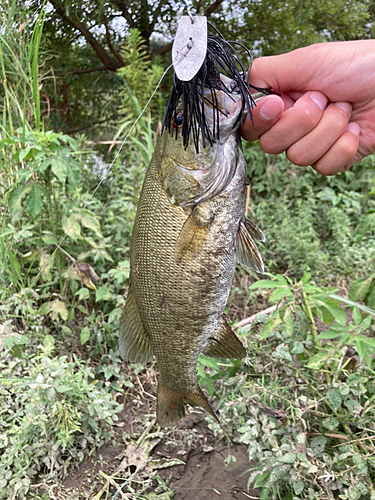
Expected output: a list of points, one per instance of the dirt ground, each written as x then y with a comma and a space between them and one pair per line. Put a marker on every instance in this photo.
200, 474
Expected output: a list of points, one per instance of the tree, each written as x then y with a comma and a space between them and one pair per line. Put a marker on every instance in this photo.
84, 40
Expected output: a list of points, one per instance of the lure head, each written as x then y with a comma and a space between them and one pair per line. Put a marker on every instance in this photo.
214, 102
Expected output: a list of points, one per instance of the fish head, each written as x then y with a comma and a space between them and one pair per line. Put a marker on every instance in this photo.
191, 174
223, 108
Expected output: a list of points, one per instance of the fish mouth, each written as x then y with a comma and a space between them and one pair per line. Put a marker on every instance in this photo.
215, 102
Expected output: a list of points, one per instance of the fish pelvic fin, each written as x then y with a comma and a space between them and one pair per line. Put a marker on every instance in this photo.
170, 404
246, 250
225, 343
134, 343
193, 234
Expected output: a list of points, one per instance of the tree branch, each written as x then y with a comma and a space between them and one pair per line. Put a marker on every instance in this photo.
213, 7
109, 62
109, 43
88, 70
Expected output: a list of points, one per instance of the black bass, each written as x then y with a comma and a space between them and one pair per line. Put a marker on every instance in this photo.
189, 231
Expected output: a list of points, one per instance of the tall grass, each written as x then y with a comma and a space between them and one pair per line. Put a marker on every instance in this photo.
20, 36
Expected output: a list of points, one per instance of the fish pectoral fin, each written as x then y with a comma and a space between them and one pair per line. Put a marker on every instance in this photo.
170, 404
134, 343
193, 234
225, 344
246, 250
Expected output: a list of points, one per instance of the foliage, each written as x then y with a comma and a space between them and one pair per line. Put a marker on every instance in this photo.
52, 412
304, 401
141, 77
312, 222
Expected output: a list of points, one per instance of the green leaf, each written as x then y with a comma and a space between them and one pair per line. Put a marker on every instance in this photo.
353, 406
360, 347
335, 398
317, 361
102, 293
298, 348
209, 362
46, 264
360, 287
328, 334
370, 299
56, 307
59, 169
89, 221
288, 458
16, 196
49, 341
349, 302
370, 342
298, 487
85, 335
288, 322
34, 200
318, 444
356, 316
269, 327
71, 227
63, 388
366, 323
266, 284
368, 358
306, 277
280, 293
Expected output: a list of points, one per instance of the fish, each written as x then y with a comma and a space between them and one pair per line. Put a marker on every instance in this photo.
190, 231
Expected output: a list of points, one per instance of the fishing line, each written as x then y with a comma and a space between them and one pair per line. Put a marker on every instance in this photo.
106, 171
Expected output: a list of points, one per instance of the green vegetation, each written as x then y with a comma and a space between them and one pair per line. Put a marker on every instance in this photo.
303, 401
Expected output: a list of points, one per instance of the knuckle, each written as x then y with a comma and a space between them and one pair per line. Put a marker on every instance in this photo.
308, 118
348, 148
269, 145
298, 157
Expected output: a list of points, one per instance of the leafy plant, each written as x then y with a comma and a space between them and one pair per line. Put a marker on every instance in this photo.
304, 402
51, 412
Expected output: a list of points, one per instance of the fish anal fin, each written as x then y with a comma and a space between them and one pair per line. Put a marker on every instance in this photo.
170, 404
246, 250
193, 234
225, 343
134, 343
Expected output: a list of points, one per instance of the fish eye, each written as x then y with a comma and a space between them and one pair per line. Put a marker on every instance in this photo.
177, 121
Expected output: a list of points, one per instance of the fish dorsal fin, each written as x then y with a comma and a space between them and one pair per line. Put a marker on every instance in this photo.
193, 234
134, 343
246, 250
225, 343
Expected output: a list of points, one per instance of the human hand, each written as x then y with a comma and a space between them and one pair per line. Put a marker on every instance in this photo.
330, 138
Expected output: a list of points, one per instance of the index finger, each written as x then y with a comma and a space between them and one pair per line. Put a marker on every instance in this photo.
265, 114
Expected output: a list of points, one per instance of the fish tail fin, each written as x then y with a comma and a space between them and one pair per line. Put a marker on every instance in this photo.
170, 404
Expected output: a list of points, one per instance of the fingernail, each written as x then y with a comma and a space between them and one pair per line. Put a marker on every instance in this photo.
269, 111
354, 128
346, 106
319, 99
